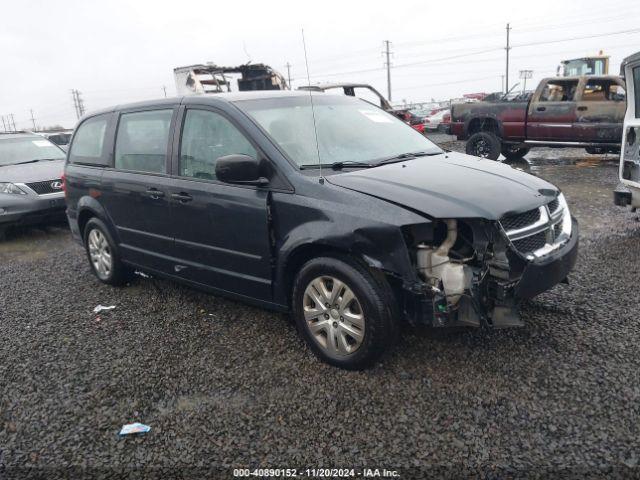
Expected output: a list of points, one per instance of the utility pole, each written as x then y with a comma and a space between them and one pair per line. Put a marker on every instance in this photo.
525, 74
33, 120
78, 103
387, 52
289, 74
506, 73
164, 87
75, 103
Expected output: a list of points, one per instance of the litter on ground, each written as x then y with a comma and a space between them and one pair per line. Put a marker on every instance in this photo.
101, 308
132, 428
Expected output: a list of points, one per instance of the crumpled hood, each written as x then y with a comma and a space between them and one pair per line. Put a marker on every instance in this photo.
451, 185
32, 172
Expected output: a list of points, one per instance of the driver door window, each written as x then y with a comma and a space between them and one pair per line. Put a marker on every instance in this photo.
559, 91
207, 136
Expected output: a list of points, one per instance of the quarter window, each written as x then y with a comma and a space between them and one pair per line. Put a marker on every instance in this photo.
88, 142
141, 143
207, 136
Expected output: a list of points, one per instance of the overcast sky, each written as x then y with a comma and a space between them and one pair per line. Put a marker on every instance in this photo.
122, 51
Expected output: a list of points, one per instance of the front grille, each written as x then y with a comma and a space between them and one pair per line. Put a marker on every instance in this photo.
531, 243
537, 232
557, 229
521, 220
47, 186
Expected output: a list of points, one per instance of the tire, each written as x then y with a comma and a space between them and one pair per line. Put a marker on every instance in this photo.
98, 241
513, 152
484, 145
357, 344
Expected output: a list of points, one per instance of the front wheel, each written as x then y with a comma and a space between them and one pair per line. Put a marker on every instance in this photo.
514, 152
484, 145
343, 312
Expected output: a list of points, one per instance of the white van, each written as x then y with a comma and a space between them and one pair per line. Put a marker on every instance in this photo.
628, 191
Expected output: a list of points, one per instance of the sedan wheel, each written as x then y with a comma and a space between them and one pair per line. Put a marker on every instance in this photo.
333, 316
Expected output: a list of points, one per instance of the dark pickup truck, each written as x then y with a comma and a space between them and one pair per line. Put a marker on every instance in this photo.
574, 112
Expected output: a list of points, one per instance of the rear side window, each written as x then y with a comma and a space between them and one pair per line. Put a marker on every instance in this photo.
141, 141
88, 142
602, 90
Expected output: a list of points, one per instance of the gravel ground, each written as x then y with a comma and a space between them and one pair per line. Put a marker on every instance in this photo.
224, 385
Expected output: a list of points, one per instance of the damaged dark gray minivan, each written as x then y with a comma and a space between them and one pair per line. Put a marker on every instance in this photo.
319, 205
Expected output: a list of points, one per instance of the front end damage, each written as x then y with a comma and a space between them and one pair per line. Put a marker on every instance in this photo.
476, 272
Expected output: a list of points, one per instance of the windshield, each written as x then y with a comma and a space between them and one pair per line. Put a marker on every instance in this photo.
348, 129
60, 138
15, 150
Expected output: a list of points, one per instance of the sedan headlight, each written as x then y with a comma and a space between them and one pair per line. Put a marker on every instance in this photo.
6, 187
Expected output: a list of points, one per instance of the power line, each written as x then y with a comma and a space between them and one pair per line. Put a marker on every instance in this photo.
478, 52
597, 35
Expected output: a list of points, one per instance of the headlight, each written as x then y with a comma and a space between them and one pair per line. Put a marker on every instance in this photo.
566, 215
6, 187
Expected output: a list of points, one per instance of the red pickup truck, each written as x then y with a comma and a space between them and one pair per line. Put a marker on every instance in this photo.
574, 112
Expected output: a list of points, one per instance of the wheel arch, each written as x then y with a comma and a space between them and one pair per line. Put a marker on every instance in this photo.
304, 252
484, 124
89, 207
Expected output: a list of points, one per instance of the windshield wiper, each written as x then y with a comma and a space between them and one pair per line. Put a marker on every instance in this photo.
405, 156
34, 161
338, 165
350, 163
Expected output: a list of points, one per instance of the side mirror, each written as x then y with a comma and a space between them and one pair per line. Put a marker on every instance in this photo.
240, 169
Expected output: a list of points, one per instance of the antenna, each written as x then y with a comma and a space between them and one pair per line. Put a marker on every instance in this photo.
313, 112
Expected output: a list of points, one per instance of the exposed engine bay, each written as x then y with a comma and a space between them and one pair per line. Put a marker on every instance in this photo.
477, 272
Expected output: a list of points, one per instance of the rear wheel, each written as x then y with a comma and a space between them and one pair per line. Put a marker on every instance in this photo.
484, 145
103, 255
514, 152
343, 312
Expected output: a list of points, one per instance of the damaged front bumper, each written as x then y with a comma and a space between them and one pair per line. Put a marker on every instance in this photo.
494, 296
543, 273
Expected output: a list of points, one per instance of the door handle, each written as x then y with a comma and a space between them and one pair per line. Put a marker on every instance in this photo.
541, 109
182, 197
582, 108
154, 193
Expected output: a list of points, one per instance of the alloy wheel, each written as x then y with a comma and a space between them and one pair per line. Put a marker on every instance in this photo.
100, 253
333, 316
